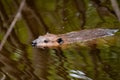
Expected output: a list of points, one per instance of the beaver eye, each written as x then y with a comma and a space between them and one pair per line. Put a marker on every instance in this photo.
46, 41
60, 40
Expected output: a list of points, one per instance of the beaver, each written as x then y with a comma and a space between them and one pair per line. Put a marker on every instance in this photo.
52, 40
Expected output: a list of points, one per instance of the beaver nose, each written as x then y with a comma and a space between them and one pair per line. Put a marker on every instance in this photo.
34, 43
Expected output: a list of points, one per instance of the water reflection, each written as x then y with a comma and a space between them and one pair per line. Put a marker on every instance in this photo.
90, 62
60, 66
2, 76
79, 74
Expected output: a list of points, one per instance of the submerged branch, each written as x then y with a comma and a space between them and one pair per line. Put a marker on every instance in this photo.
116, 8
12, 24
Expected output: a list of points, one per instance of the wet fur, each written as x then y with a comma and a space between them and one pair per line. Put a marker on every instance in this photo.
52, 40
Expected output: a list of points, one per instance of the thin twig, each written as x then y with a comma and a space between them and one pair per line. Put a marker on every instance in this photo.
12, 24
116, 8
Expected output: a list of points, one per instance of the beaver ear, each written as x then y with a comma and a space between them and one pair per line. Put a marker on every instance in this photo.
60, 41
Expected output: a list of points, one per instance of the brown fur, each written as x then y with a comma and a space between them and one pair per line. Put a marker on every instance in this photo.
52, 40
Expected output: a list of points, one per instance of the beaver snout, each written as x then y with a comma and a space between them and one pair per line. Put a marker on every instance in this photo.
34, 43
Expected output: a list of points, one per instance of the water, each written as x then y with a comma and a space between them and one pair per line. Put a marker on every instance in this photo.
98, 61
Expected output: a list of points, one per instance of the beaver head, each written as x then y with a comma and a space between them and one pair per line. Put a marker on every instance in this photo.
48, 40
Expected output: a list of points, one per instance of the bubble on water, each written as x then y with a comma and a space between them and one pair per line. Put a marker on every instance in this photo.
90, 4
63, 27
77, 14
65, 18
